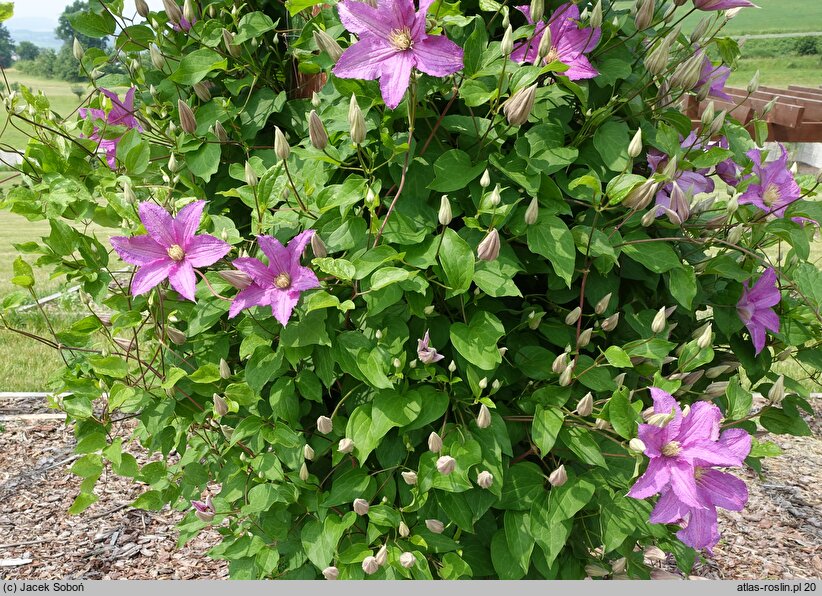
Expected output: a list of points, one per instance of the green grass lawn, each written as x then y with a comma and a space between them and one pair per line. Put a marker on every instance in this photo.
60, 97
779, 72
773, 16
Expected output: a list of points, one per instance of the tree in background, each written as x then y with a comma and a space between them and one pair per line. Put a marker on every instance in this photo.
6, 47
67, 33
26, 50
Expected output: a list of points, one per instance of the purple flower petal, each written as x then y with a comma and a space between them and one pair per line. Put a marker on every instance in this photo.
149, 275
438, 56
279, 258
684, 484
187, 222
255, 269
363, 19
701, 531
282, 305
205, 250
737, 442
139, 250
251, 296
668, 509
296, 247
394, 81
655, 478
723, 4
304, 279
701, 424
182, 278
725, 490
364, 60
158, 223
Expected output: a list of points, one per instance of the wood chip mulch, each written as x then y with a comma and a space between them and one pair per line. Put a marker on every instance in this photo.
777, 536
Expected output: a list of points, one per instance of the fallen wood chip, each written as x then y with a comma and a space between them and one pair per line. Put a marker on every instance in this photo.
14, 562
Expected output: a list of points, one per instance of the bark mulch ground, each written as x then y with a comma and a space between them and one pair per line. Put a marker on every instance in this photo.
777, 536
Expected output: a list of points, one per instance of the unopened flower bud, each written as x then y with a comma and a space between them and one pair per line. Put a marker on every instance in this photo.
661, 318
596, 15
410, 478
325, 425
172, 11
488, 249
187, 120
408, 560
532, 212
452, 366
484, 417
644, 14
659, 420
544, 46
657, 61
308, 452
370, 565
176, 336
331, 573
446, 464
635, 146
281, 147
202, 91
537, 10
77, 49
566, 377
403, 530
346, 445
238, 279
595, 571
250, 177
188, 11
444, 215
618, 566
602, 305
586, 405
485, 179
585, 337
611, 322
518, 107
142, 8
732, 12
572, 317
494, 197
128, 194
219, 132
654, 553
705, 339
636, 445
361, 506
485, 479
316, 131
356, 122
382, 555
327, 44
560, 363
777, 392
230, 46
648, 219
304, 472
434, 443
558, 477
220, 405
435, 526
483, 383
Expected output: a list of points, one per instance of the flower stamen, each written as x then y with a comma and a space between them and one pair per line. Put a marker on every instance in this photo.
283, 281
771, 195
400, 39
671, 449
176, 252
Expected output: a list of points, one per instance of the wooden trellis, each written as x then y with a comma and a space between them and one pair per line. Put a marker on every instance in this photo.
796, 116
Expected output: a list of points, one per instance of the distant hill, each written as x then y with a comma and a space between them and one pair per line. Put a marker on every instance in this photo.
37, 30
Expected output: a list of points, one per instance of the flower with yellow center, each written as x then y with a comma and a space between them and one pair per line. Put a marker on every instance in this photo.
176, 252
282, 281
400, 39
671, 449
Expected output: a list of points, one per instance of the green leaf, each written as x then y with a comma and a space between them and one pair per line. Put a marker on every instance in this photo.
518, 537
580, 441
6, 11
252, 26
611, 141
477, 341
82, 502
92, 24
23, 274
194, 67
778, 421
151, 500
682, 285
552, 239
505, 564
320, 540
386, 276
656, 256
205, 161
739, 400
496, 278
110, 366
617, 357
622, 416
453, 171
339, 268
545, 428
457, 260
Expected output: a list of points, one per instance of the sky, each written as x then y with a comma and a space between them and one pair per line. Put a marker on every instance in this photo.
52, 9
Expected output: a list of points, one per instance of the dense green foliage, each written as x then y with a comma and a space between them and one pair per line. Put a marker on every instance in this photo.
283, 490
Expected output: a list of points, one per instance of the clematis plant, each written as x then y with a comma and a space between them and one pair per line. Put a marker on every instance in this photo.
570, 43
171, 250
755, 308
278, 284
393, 41
121, 115
775, 188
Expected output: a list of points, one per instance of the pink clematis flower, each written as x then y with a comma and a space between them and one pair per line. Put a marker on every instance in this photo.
715, 78
723, 4
776, 188
679, 447
170, 249
714, 489
280, 283
392, 42
204, 510
120, 115
755, 308
426, 354
677, 194
569, 43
